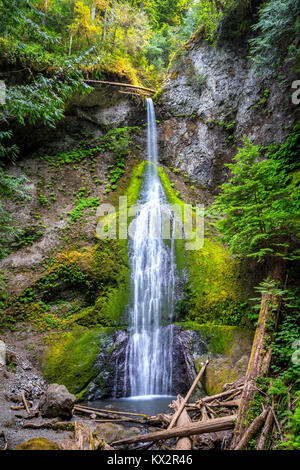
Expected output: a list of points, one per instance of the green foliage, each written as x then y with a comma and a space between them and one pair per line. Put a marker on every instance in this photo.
13, 188
260, 213
285, 347
293, 429
43, 101
205, 15
27, 236
82, 204
287, 155
277, 29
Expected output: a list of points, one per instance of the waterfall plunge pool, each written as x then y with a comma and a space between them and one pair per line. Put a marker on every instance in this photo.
145, 404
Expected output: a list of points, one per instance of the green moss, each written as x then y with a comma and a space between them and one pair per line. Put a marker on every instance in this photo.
38, 444
82, 204
70, 358
212, 292
110, 267
228, 348
220, 337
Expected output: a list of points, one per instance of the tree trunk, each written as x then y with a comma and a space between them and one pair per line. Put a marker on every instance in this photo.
44, 19
266, 429
183, 443
260, 358
212, 425
70, 44
252, 430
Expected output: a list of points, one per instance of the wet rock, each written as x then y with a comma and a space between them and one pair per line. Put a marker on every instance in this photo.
38, 444
110, 432
57, 402
111, 380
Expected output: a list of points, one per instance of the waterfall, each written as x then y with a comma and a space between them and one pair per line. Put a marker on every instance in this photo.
153, 271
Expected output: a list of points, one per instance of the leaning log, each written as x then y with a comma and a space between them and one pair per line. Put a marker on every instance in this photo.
266, 430
88, 409
260, 359
183, 443
252, 430
188, 395
220, 395
212, 425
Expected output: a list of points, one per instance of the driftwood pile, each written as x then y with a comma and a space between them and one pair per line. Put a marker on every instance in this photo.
195, 425
209, 417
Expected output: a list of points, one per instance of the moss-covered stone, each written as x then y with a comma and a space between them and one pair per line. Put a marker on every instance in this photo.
213, 291
38, 444
229, 350
71, 356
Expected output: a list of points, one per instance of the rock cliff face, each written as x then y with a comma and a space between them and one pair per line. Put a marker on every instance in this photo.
210, 101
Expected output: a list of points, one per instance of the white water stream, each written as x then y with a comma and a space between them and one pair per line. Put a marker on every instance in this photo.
153, 270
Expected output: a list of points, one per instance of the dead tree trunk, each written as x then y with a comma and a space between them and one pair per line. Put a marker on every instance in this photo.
266, 430
212, 425
260, 357
252, 430
183, 443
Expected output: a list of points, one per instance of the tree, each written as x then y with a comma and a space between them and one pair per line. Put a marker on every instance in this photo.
277, 37
260, 212
163, 12
83, 26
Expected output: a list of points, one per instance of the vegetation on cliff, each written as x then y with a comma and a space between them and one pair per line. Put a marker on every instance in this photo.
47, 52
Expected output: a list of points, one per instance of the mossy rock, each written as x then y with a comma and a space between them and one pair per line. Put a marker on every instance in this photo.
229, 350
71, 357
111, 432
212, 291
223, 370
38, 444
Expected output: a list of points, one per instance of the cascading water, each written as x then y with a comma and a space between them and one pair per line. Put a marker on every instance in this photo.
149, 350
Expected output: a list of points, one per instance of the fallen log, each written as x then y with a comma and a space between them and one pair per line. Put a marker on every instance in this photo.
127, 85
266, 430
183, 443
183, 403
212, 425
220, 395
260, 357
231, 403
33, 414
89, 409
44, 424
252, 430
25, 401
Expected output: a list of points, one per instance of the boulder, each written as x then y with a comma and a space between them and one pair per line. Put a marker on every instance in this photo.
38, 444
111, 432
57, 402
